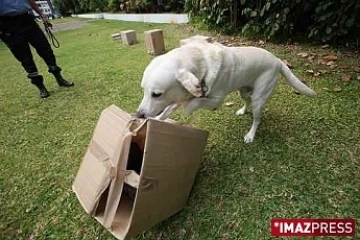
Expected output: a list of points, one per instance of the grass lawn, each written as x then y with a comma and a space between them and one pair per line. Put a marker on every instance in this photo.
304, 161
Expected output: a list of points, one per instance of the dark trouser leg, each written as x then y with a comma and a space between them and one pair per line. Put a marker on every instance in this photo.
38, 40
21, 51
38, 81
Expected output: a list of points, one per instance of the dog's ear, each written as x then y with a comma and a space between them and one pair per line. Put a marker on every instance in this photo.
189, 81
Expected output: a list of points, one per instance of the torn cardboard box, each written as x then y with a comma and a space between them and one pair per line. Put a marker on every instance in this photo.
137, 173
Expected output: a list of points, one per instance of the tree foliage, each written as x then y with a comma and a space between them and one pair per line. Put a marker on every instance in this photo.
317, 20
137, 6
67, 7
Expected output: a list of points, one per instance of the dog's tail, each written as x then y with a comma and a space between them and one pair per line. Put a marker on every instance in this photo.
294, 82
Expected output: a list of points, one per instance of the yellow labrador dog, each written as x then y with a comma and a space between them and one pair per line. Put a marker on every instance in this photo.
200, 74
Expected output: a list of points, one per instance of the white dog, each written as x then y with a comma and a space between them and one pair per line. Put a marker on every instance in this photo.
200, 75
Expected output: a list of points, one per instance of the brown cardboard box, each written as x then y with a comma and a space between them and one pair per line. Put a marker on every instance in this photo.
137, 173
129, 37
116, 36
154, 41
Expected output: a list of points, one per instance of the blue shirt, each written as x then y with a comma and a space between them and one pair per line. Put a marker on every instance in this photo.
14, 7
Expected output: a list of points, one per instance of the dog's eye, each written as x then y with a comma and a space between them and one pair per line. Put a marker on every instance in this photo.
155, 95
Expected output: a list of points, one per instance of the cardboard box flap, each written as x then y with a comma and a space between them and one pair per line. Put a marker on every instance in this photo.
116, 186
99, 165
135, 128
168, 172
173, 142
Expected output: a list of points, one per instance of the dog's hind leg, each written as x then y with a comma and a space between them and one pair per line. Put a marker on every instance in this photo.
258, 105
259, 98
245, 93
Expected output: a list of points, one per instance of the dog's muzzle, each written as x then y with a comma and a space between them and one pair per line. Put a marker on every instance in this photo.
140, 114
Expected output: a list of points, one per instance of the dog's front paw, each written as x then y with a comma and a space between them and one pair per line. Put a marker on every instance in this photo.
249, 138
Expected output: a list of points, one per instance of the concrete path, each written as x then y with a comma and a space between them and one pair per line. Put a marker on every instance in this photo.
66, 26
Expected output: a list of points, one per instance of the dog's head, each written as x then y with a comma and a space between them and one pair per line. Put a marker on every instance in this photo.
163, 88
176, 77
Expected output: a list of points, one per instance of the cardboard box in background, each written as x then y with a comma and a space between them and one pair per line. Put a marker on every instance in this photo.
154, 42
129, 37
137, 173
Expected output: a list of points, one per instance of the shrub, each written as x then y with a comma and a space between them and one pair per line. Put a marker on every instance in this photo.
335, 21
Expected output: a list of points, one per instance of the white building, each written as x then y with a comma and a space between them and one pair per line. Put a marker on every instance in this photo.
48, 10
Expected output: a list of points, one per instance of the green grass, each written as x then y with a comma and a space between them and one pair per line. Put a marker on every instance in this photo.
304, 161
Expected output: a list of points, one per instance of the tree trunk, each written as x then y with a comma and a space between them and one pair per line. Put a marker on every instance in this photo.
235, 13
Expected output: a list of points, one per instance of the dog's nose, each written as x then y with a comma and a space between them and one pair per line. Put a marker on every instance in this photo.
140, 114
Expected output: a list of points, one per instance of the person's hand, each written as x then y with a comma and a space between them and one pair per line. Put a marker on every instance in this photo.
46, 21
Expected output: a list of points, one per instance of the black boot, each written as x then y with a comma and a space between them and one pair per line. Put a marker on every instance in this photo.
55, 70
38, 81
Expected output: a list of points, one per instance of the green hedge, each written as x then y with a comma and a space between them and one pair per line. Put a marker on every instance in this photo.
333, 21
67, 7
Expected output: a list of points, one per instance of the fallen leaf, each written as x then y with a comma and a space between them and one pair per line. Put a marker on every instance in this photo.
232, 224
303, 54
251, 169
325, 46
310, 71
225, 236
343, 67
337, 89
307, 64
323, 71
346, 78
321, 62
358, 77
357, 69
316, 74
329, 63
333, 66
311, 58
326, 89
330, 57
261, 42
229, 104
288, 64
290, 47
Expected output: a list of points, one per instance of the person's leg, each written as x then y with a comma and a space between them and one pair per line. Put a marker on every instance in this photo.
23, 54
21, 50
37, 39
